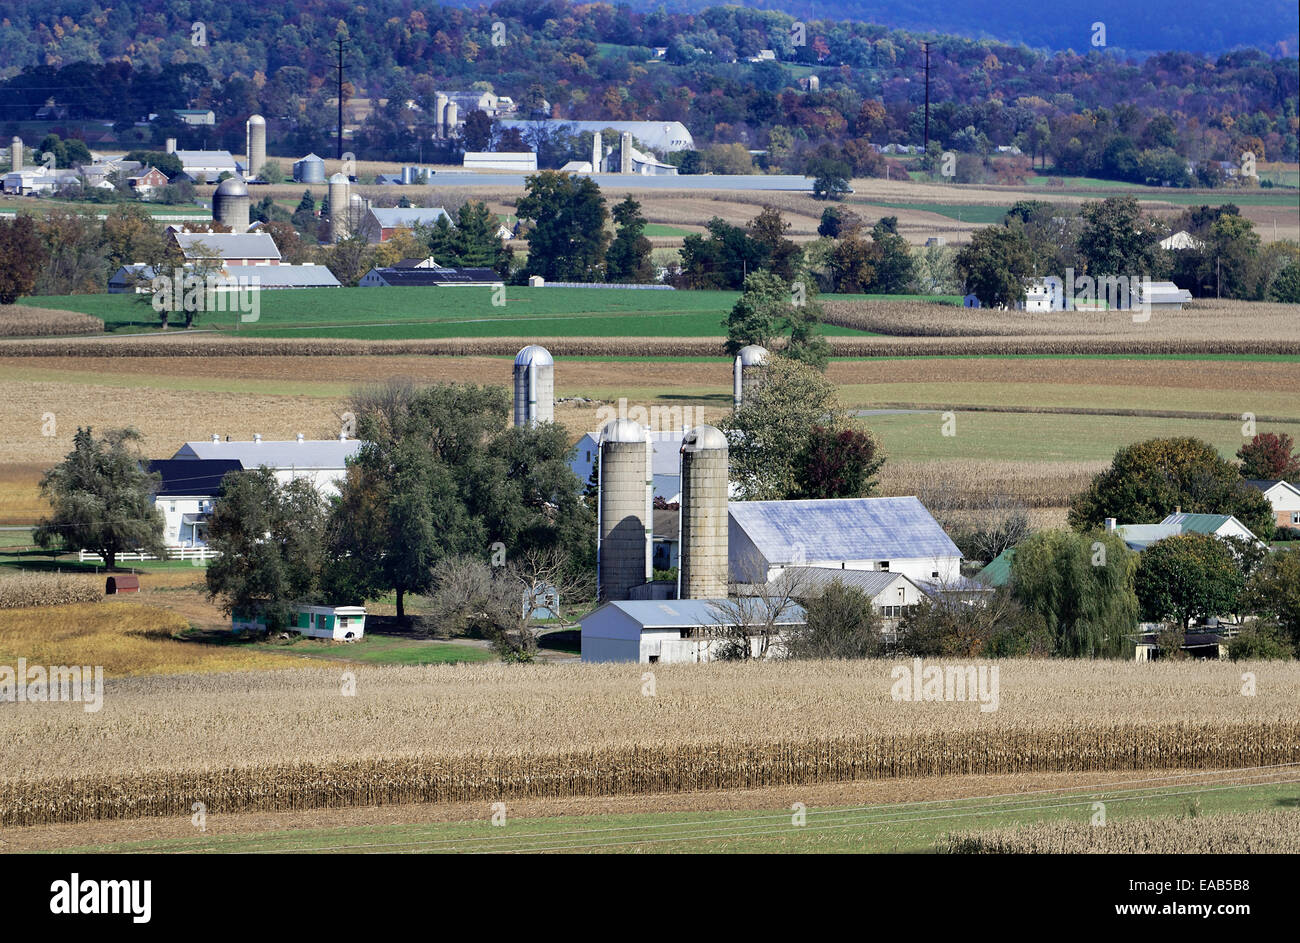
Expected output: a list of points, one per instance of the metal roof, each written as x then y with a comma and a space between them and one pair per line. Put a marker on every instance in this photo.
310, 453
871, 582
408, 216
280, 276
427, 277
1197, 523
689, 613
998, 571
191, 478
1267, 486
1141, 536
658, 135
231, 245
842, 529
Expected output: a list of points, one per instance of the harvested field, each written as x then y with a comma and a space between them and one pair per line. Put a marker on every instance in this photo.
1254, 833
25, 321
492, 731
960, 484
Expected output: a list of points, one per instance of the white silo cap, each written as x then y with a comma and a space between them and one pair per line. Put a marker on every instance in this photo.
703, 438
339, 178
232, 186
256, 119
534, 354
622, 430
752, 355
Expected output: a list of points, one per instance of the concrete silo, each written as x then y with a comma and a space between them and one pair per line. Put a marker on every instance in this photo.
625, 153
625, 515
595, 152
452, 118
16, 153
747, 372
230, 204
255, 141
534, 386
440, 114
340, 207
702, 557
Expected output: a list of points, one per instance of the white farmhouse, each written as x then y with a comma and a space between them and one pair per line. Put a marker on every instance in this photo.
185, 495
321, 461
1285, 498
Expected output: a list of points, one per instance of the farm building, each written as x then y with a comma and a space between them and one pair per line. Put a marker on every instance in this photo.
897, 535
1285, 498
892, 594
666, 539
668, 631
998, 570
245, 248
1162, 295
147, 181
1140, 536
185, 495
322, 461
380, 225
429, 277
663, 136
137, 276
519, 161
340, 623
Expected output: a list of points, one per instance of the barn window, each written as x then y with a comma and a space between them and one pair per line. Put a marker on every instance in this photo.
934, 574
883, 565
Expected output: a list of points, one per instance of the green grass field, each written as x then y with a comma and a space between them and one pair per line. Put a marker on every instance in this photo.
381, 650
409, 313
964, 212
879, 829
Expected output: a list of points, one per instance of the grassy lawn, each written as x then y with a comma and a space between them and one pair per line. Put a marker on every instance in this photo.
380, 650
963, 212
880, 829
375, 313
1042, 436
663, 229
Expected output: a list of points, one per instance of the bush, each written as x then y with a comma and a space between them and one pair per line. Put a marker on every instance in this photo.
1265, 642
841, 624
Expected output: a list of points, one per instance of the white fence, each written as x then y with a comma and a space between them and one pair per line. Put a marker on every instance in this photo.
199, 554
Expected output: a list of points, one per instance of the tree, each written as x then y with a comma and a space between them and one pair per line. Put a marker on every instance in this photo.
841, 623
757, 313
995, 265
947, 625
837, 464
477, 132
751, 620
780, 255
1082, 586
893, 259
1118, 240
268, 538
773, 425
1273, 590
474, 242
837, 220
853, 263
101, 499
628, 258
1187, 577
1233, 244
568, 239
1270, 456
271, 172
830, 177
1146, 481
22, 256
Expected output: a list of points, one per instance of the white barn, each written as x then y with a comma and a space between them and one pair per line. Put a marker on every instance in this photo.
322, 461
667, 631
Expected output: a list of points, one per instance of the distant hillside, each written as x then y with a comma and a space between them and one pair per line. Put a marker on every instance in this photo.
1135, 27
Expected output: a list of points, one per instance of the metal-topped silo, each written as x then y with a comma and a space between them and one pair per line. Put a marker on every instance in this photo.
625, 516
534, 386
340, 207
747, 372
230, 204
702, 557
311, 169
255, 141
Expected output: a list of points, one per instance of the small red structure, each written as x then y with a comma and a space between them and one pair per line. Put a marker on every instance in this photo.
129, 583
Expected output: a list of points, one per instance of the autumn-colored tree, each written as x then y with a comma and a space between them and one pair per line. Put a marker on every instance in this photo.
21, 257
837, 463
1270, 456
1148, 480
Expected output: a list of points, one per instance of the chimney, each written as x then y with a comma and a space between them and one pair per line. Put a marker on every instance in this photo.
299, 436
257, 437
343, 436
1110, 524
1178, 509
215, 437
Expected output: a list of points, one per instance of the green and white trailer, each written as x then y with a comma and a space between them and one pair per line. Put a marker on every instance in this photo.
340, 623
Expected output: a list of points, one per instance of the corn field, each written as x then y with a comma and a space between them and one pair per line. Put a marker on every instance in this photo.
20, 590
22, 321
284, 740
1254, 833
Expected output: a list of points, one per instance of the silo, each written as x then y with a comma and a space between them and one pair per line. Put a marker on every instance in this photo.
534, 386
747, 372
16, 154
702, 557
311, 169
625, 153
440, 114
340, 204
595, 152
453, 118
626, 510
230, 204
255, 140
171, 145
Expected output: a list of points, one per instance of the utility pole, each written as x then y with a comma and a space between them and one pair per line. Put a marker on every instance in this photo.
341, 43
927, 95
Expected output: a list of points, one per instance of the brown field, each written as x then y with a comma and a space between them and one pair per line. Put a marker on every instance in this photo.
1252, 833
906, 790
30, 589
24, 321
283, 740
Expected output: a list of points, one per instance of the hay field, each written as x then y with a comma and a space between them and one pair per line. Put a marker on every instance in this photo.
1253, 833
290, 739
26, 321
125, 638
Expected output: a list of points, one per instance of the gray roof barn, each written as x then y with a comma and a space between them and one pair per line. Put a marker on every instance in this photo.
230, 245
428, 277
305, 454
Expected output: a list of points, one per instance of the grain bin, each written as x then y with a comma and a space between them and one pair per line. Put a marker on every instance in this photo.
625, 510
702, 557
311, 169
340, 205
255, 142
747, 372
230, 204
534, 386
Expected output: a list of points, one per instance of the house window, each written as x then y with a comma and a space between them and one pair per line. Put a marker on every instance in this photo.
1295, 517
934, 574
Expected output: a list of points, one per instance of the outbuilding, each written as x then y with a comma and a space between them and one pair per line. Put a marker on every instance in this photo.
673, 630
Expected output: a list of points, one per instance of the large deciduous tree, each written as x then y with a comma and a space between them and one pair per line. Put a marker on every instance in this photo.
996, 264
567, 241
1270, 456
22, 256
628, 258
101, 499
1187, 577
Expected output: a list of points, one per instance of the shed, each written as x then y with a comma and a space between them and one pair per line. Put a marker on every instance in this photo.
127, 583
675, 630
